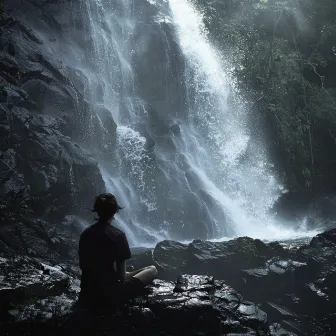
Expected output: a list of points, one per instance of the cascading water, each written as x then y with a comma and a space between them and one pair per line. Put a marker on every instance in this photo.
237, 175
178, 150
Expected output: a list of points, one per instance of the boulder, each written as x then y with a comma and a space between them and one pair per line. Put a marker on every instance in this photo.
277, 277
141, 257
325, 239
37, 298
224, 260
290, 290
288, 283
171, 258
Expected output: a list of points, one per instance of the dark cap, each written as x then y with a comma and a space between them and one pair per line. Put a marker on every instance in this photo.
106, 205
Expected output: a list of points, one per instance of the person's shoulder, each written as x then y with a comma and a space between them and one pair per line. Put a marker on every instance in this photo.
115, 231
89, 230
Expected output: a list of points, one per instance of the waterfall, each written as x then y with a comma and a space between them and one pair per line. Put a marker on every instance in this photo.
172, 138
239, 176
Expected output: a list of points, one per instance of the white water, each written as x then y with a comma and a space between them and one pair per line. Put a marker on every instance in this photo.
252, 188
187, 163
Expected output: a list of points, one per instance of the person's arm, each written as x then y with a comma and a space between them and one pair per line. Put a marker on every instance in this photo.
131, 274
123, 274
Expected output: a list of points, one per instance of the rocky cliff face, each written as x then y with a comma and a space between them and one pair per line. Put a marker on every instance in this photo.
44, 117
46, 170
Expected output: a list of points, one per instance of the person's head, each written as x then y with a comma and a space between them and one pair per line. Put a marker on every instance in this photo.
106, 206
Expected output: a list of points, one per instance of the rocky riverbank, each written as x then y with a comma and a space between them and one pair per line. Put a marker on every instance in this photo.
239, 287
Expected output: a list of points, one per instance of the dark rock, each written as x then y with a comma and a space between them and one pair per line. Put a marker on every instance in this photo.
190, 284
297, 288
310, 326
225, 260
40, 299
325, 239
11, 49
141, 257
44, 122
49, 98
320, 255
56, 165
276, 329
287, 290
39, 239
22, 279
247, 313
171, 258
277, 278
276, 312
319, 258
288, 283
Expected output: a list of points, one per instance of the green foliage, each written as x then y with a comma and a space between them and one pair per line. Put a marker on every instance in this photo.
284, 53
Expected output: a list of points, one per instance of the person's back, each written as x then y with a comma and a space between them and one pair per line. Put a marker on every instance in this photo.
100, 247
103, 250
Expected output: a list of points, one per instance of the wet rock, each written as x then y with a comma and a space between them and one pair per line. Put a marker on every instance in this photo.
46, 163
24, 279
307, 326
287, 283
40, 239
318, 259
171, 258
247, 313
44, 122
277, 312
287, 290
291, 291
190, 284
39, 299
141, 257
199, 304
278, 277
325, 239
276, 329
225, 260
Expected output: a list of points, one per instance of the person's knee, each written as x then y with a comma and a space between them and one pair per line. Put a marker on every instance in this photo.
147, 275
153, 271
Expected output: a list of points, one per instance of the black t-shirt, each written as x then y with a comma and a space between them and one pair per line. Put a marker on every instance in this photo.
100, 246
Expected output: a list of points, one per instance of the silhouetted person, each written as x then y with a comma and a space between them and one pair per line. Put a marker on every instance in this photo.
103, 251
